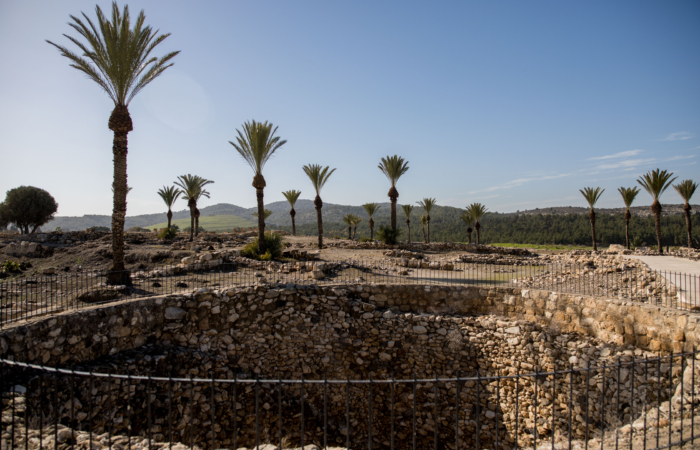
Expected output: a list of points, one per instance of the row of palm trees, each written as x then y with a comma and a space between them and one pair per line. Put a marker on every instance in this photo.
655, 182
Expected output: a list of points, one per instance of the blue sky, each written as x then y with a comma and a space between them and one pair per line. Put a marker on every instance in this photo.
513, 104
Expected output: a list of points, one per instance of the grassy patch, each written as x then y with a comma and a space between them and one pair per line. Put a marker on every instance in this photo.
544, 247
211, 223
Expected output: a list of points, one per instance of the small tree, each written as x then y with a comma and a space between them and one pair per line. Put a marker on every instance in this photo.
169, 195
592, 196
318, 176
655, 182
628, 196
407, 210
469, 220
371, 209
686, 189
355, 222
393, 167
292, 197
477, 211
347, 219
28, 207
427, 204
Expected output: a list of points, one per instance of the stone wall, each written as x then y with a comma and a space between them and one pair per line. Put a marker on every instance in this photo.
340, 332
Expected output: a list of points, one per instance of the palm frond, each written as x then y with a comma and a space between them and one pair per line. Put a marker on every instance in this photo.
371, 208
116, 55
476, 211
407, 210
356, 220
686, 189
655, 182
318, 176
257, 143
628, 195
591, 195
292, 196
467, 218
427, 204
423, 220
347, 218
393, 167
169, 195
192, 186
267, 213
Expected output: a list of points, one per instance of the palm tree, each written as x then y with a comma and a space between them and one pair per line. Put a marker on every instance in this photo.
686, 189
422, 222
655, 182
347, 218
393, 167
477, 211
467, 218
118, 58
200, 193
318, 176
169, 195
407, 210
628, 196
355, 222
427, 204
371, 209
292, 197
256, 145
592, 196
192, 185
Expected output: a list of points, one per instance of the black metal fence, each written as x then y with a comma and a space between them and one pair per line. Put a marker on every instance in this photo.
22, 298
644, 403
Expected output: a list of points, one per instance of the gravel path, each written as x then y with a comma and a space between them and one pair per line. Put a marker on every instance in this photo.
683, 273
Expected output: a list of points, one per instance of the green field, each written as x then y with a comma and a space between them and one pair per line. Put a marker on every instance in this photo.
210, 223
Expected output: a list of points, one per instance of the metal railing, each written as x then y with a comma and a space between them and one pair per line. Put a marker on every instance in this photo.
645, 403
23, 298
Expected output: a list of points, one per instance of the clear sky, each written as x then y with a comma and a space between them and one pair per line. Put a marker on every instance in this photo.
513, 104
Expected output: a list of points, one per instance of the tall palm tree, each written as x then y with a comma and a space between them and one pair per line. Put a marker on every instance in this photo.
256, 144
628, 196
371, 209
407, 210
477, 211
318, 176
427, 204
292, 197
592, 196
422, 222
192, 185
686, 189
347, 218
200, 193
467, 218
655, 182
355, 222
393, 167
117, 58
169, 195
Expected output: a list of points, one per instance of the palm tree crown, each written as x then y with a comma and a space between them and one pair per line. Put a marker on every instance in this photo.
427, 204
592, 195
193, 190
292, 197
628, 195
686, 189
371, 209
407, 210
256, 144
477, 211
169, 195
267, 213
318, 176
117, 57
655, 182
393, 167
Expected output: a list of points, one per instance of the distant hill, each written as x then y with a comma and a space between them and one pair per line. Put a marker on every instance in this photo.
332, 213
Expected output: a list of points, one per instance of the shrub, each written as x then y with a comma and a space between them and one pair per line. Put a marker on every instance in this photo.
365, 239
167, 233
274, 244
10, 266
388, 235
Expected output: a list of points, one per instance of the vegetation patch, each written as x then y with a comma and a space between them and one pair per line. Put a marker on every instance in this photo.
211, 223
273, 248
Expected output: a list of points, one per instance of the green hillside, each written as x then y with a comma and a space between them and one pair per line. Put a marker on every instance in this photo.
210, 223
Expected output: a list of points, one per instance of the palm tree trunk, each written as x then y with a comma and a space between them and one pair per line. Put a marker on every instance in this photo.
425, 239
469, 232
393, 195
191, 225
118, 274
196, 221
261, 221
686, 209
591, 215
371, 229
428, 220
628, 216
477, 227
354, 232
170, 217
294, 226
656, 209
349, 232
319, 218
408, 224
